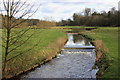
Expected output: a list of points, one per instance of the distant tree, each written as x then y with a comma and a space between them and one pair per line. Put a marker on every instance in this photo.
87, 12
118, 17
70, 22
94, 13
64, 23
32, 22
0, 21
110, 18
77, 19
113, 17
45, 24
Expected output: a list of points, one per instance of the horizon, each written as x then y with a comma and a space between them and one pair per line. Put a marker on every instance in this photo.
57, 10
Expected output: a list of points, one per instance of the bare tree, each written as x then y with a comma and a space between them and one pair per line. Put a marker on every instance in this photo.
13, 14
87, 12
0, 47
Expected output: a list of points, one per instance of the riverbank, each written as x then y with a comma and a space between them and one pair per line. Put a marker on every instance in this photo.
48, 48
71, 63
51, 42
107, 37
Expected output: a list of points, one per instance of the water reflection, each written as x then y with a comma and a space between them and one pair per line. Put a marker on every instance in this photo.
77, 40
71, 63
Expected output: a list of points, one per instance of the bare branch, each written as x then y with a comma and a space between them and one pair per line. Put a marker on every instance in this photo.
15, 6
3, 39
24, 51
11, 19
2, 45
18, 37
21, 44
24, 14
5, 6
19, 33
16, 9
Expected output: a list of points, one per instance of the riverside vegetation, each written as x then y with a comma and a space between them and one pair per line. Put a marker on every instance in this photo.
50, 43
109, 38
106, 42
47, 47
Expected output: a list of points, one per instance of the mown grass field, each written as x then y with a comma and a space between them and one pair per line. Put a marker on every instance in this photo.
47, 37
50, 42
61, 27
109, 37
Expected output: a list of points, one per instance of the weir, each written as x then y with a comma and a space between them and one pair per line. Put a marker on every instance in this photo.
76, 60
77, 41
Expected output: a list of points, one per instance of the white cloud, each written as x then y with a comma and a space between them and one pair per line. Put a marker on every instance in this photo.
63, 9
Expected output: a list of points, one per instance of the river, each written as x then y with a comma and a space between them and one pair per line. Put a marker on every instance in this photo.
75, 61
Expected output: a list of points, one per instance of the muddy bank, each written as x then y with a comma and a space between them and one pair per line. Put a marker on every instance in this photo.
101, 61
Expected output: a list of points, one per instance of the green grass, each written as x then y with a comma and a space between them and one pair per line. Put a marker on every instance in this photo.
109, 36
0, 56
35, 55
73, 27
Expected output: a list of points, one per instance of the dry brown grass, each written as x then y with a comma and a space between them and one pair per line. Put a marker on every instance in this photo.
45, 24
100, 49
56, 47
32, 60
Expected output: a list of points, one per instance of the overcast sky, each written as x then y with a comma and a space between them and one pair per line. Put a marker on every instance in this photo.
64, 9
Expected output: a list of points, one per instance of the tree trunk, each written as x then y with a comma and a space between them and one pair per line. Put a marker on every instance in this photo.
6, 51
4, 66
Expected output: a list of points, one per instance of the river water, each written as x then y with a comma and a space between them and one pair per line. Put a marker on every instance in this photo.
71, 62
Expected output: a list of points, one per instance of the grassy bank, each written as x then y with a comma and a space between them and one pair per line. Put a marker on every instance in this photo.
61, 27
109, 37
51, 41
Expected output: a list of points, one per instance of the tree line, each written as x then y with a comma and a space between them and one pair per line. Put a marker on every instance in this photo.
89, 18
30, 22
37, 23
